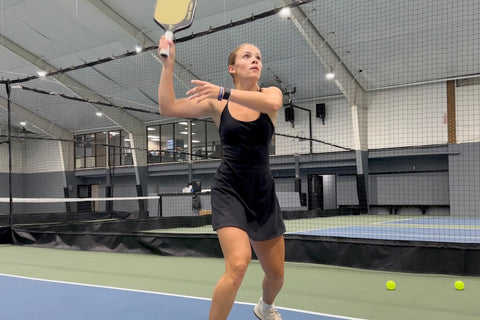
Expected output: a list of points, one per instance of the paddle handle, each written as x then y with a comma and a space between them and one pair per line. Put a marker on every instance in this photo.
169, 36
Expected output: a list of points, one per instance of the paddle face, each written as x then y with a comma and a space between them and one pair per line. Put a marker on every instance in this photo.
174, 15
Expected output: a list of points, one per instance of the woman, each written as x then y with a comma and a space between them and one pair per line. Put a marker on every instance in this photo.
245, 210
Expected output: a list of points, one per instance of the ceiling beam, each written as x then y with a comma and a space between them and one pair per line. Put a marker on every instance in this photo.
343, 78
122, 118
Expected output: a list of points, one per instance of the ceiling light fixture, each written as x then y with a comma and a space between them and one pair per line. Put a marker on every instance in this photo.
42, 73
331, 75
285, 12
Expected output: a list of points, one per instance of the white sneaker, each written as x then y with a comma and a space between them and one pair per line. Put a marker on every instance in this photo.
266, 314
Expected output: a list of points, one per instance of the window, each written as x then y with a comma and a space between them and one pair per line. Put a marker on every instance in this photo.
100, 149
153, 144
199, 140
92, 150
169, 142
114, 148
127, 157
80, 151
180, 141
166, 143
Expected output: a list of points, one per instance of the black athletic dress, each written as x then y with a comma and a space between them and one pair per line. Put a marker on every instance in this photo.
243, 191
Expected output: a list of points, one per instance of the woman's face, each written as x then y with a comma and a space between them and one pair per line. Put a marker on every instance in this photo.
248, 63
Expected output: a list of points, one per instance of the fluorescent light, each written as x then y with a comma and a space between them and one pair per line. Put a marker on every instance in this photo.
183, 132
153, 138
183, 123
151, 129
99, 114
23, 123
138, 49
195, 141
330, 76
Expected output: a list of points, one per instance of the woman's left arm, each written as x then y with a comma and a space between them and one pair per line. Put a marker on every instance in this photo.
268, 101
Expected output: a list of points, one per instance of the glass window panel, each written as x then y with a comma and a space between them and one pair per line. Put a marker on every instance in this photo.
167, 143
80, 151
101, 149
90, 150
181, 141
114, 142
127, 156
199, 140
153, 144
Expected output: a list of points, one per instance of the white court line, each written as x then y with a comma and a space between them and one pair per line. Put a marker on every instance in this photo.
326, 228
394, 221
61, 200
167, 294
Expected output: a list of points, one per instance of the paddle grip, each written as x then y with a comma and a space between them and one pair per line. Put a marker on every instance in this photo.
169, 36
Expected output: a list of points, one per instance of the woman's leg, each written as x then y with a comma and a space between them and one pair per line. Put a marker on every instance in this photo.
237, 254
271, 254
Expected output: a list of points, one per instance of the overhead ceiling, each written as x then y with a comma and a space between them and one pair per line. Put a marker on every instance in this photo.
376, 44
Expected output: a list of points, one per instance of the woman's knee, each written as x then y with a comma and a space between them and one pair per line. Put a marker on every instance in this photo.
276, 274
237, 270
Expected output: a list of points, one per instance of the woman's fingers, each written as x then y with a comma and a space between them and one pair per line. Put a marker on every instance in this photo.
202, 90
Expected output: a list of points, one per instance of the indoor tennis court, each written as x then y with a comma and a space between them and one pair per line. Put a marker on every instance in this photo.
61, 284
106, 203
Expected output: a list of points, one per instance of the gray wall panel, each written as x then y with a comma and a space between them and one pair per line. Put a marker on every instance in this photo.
464, 184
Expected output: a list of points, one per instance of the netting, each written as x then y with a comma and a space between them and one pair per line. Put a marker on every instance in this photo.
51, 210
388, 149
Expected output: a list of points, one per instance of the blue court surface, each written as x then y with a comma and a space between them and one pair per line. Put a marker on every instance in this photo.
431, 229
28, 298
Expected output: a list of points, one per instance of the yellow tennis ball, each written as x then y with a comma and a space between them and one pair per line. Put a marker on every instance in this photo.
391, 285
459, 285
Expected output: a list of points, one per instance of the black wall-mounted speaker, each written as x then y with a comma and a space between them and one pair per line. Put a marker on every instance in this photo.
289, 114
321, 111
